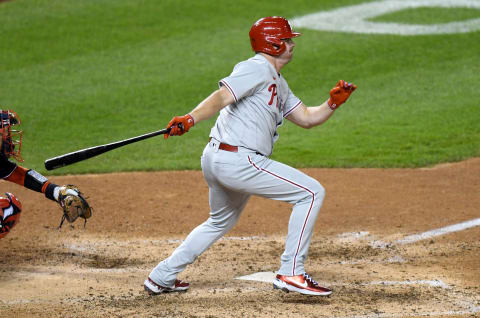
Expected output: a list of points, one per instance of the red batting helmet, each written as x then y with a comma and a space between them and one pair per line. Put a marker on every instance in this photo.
266, 35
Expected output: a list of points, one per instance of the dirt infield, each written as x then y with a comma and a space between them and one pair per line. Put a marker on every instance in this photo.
360, 248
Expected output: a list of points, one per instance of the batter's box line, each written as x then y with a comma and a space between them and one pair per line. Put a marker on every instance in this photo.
268, 277
428, 234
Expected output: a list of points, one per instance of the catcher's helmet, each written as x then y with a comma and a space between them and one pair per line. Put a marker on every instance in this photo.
266, 35
11, 138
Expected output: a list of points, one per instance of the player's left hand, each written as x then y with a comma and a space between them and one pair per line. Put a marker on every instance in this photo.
10, 209
179, 125
340, 93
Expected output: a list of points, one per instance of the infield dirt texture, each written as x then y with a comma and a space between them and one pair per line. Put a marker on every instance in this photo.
139, 218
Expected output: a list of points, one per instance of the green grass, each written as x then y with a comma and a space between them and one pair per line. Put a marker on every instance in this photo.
429, 15
83, 73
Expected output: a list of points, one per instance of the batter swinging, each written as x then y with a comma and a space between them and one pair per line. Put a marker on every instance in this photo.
253, 101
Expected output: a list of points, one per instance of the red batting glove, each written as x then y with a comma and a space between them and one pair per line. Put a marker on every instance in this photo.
340, 93
179, 125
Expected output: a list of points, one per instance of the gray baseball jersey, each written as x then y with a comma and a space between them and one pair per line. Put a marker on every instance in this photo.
262, 99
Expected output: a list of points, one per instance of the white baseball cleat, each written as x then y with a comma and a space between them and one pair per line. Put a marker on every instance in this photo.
303, 284
154, 289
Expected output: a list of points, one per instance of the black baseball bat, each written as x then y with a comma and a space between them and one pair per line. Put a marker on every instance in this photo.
87, 153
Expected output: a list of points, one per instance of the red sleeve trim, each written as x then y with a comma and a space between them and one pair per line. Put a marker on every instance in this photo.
291, 110
222, 82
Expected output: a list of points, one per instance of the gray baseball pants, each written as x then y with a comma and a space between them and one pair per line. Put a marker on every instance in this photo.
232, 178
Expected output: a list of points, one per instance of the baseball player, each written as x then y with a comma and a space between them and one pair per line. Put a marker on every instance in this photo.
253, 102
69, 197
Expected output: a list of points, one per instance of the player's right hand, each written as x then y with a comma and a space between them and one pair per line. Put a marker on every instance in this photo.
179, 125
340, 93
9, 213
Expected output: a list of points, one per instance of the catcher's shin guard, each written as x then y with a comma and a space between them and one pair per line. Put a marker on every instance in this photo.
10, 208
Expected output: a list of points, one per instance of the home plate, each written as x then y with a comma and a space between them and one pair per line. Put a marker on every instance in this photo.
266, 277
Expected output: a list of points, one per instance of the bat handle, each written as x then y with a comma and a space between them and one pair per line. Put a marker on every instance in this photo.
179, 125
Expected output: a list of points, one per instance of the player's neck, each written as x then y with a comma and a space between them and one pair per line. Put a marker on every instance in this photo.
277, 62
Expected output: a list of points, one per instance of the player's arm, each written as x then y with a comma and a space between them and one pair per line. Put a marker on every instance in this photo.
69, 197
308, 117
33, 180
206, 109
212, 104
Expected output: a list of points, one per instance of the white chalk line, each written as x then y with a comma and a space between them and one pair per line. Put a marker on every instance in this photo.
268, 277
428, 234
441, 231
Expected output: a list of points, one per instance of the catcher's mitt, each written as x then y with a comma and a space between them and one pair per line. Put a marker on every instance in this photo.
74, 204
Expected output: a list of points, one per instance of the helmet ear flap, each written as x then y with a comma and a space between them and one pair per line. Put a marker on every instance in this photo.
278, 46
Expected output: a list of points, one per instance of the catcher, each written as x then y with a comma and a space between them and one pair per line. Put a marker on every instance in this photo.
69, 197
